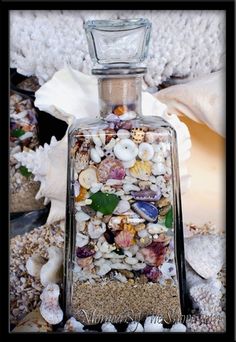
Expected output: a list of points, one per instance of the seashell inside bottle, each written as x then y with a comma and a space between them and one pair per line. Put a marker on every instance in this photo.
126, 196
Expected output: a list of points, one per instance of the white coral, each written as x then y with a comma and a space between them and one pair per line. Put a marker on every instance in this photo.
183, 43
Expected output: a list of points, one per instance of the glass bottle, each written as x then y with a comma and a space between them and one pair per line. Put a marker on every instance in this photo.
124, 238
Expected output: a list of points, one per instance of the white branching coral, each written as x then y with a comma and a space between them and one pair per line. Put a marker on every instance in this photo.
183, 43
202, 323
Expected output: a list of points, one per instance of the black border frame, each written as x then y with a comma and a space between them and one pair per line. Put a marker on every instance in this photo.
229, 7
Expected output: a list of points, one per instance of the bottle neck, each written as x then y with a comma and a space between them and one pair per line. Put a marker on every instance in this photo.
120, 90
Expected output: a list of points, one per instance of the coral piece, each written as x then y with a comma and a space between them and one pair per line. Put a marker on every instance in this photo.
49, 308
206, 297
202, 323
51, 272
34, 265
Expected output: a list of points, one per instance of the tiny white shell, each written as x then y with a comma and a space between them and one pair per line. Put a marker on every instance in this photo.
156, 228
130, 187
134, 327
81, 216
145, 151
120, 266
96, 139
95, 155
139, 266
99, 151
153, 324
125, 150
142, 233
158, 169
128, 116
104, 269
123, 134
108, 327
131, 261
122, 207
128, 164
72, 325
102, 136
178, 327
81, 240
111, 144
95, 187
95, 231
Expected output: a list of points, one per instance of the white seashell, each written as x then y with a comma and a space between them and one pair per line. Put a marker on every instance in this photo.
49, 308
156, 228
72, 325
96, 187
120, 277
151, 137
120, 192
158, 157
81, 216
153, 324
102, 136
133, 249
125, 150
96, 230
168, 270
95, 155
104, 269
97, 255
158, 169
99, 151
114, 182
80, 226
128, 116
99, 262
96, 139
114, 256
119, 266
139, 256
88, 177
128, 253
130, 187
145, 151
134, 327
108, 327
139, 266
129, 179
131, 261
178, 327
154, 187
51, 272
106, 247
33, 322
128, 164
143, 233
205, 254
111, 144
123, 134
81, 240
122, 207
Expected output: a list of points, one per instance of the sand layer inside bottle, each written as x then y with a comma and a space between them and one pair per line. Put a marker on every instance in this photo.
124, 253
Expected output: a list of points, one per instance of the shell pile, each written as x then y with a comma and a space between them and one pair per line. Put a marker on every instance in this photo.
123, 200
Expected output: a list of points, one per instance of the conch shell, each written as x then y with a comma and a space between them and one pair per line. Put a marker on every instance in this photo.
70, 95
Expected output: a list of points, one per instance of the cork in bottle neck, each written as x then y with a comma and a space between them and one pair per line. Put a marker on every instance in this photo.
119, 91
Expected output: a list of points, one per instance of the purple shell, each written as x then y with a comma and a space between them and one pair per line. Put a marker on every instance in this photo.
146, 195
85, 252
152, 273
